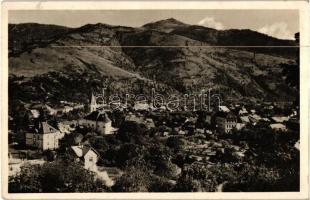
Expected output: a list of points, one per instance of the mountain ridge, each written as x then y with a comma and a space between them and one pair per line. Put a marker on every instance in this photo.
97, 53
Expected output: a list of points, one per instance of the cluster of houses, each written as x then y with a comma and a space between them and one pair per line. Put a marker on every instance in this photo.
44, 136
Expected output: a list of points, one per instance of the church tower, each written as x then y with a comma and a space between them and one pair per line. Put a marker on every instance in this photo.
93, 103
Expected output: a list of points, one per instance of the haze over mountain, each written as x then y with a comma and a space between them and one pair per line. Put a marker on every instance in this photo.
53, 63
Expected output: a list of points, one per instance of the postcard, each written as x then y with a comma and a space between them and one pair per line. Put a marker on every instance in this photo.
155, 100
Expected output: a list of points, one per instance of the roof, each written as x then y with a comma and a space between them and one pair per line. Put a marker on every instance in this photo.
255, 117
45, 128
35, 113
277, 126
81, 151
226, 115
224, 109
98, 116
280, 118
245, 119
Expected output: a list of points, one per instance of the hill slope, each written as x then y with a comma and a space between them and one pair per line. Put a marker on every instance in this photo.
59, 63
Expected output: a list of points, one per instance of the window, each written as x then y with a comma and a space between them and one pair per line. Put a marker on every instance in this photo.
90, 159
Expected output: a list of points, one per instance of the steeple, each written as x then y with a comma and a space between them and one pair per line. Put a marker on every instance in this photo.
93, 103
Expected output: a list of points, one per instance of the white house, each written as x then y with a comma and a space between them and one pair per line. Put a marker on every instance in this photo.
99, 122
278, 126
44, 137
87, 155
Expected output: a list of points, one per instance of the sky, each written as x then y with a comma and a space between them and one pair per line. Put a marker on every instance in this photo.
281, 24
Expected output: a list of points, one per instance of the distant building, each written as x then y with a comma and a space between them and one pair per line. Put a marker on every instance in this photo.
254, 118
86, 155
44, 137
280, 119
139, 119
99, 122
141, 106
225, 121
278, 126
224, 109
243, 111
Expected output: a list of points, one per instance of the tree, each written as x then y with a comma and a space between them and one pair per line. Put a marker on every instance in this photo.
134, 179
132, 132
188, 184
57, 176
128, 153
174, 143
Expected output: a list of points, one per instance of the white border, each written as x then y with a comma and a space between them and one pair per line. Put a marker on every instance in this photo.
302, 6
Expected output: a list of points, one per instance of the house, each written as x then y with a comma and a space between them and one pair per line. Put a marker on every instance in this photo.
86, 155
224, 109
278, 126
44, 137
67, 109
35, 113
240, 126
280, 119
50, 110
245, 119
225, 121
141, 106
297, 145
243, 111
139, 119
254, 118
99, 122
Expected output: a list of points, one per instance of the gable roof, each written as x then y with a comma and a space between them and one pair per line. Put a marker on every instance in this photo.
81, 151
45, 128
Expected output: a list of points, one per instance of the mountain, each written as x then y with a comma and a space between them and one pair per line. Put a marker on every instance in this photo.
235, 37
30, 35
166, 25
58, 63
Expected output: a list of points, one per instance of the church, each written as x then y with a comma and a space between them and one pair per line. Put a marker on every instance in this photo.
97, 120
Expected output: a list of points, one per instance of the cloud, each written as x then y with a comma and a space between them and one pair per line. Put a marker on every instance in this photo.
211, 23
278, 30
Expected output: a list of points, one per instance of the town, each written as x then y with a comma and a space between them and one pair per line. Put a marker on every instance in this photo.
174, 145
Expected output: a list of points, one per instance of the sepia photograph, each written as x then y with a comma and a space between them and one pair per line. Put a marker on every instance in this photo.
155, 101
